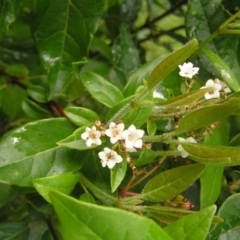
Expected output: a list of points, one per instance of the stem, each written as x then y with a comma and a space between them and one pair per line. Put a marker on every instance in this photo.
99, 192
51, 229
128, 107
165, 137
146, 174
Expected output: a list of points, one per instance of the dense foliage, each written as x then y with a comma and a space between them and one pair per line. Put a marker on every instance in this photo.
119, 119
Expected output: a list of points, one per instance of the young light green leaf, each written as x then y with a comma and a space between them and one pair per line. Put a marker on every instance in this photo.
63, 183
81, 116
118, 174
230, 212
194, 226
74, 141
223, 70
100, 89
185, 99
92, 221
195, 119
170, 63
8, 10
171, 182
62, 42
214, 155
31, 152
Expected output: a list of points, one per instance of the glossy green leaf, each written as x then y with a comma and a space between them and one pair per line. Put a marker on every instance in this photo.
203, 18
125, 54
118, 174
12, 98
143, 72
63, 183
209, 193
137, 116
38, 93
100, 89
171, 182
63, 34
14, 230
31, 152
7, 193
183, 100
230, 212
97, 222
74, 141
170, 63
100, 46
8, 10
194, 226
146, 156
81, 116
195, 119
34, 111
223, 70
17, 70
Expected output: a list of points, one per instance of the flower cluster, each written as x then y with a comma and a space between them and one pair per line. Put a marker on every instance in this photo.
131, 140
215, 86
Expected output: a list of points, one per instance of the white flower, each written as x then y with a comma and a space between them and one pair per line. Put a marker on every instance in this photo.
109, 157
215, 89
182, 151
132, 137
187, 70
92, 136
115, 132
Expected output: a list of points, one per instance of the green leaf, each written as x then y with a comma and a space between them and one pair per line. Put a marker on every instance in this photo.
14, 230
171, 182
230, 212
125, 55
81, 116
7, 193
63, 34
143, 72
74, 141
31, 152
168, 215
203, 19
194, 226
118, 174
33, 110
146, 156
8, 10
38, 93
170, 63
63, 183
12, 98
92, 221
214, 155
195, 119
183, 100
17, 70
100, 89
209, 193
223, 70
87, 197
